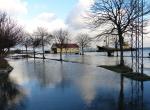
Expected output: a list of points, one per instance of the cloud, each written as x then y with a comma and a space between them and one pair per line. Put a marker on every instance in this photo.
76, 19
46, 16
147, 36
85, 3
14, 7
18, 10
46, 19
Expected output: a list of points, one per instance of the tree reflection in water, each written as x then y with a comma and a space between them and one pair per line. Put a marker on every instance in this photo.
121, 94
46, 76
136, 97
129, 100
135, 100
10, 94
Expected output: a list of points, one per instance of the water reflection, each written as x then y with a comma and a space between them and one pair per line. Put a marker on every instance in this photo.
69, 86
87, 87
39, 72
10, 94
127, 100
121, 94
134, 100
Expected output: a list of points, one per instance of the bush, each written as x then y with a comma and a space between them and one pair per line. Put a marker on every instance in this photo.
3, 64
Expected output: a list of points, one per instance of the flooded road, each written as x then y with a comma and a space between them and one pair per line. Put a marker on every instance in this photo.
52, 85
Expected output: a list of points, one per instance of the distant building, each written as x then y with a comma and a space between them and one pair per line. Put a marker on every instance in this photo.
67, 48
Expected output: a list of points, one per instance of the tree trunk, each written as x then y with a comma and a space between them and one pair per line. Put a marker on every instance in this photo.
34, 52
26, 50
61, 54
121, 51
116, 47
121, 40
43, 48
82, 50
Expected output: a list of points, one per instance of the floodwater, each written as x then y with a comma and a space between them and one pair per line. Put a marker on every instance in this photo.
98, 58
52, 85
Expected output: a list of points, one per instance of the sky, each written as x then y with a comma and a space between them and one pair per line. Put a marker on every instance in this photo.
51, 14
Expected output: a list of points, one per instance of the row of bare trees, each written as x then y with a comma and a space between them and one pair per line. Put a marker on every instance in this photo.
41, 38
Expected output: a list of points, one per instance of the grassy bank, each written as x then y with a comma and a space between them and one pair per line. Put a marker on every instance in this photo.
127, 72
117, 68
137, 76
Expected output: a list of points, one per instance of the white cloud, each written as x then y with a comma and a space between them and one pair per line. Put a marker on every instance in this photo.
85, 3
46, 16
18, 10
14, 7
46, 20
76, 20
147, 36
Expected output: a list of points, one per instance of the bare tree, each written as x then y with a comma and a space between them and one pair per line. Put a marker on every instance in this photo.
118, 16
43, 34
60, 37
30, 40
10, 33
83, 41
26, 42
66, 45
34, 43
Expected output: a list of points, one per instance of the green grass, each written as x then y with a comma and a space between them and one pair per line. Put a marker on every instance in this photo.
127, 72
137, 76
117, 68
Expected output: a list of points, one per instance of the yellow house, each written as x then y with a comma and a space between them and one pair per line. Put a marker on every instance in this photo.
66, 48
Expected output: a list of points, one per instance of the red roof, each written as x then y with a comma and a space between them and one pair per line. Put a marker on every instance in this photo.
66, 45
